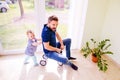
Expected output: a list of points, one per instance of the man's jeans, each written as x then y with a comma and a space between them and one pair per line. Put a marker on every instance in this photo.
57, 56
67, 44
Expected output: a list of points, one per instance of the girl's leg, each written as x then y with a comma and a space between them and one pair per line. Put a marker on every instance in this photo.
26, 59
34, 60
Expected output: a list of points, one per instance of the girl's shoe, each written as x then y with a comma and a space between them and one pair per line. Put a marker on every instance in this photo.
26, 62
36, 65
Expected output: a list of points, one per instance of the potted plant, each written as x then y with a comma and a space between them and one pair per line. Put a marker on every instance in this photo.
97, 51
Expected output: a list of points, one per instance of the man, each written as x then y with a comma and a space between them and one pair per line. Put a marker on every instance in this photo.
51, 48
67, 44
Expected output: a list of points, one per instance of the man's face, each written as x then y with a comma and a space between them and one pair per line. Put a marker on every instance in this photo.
53, 25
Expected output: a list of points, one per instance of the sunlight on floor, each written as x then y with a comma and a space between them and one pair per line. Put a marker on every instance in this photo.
13, 67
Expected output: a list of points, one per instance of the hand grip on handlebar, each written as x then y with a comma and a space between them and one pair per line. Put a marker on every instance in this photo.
61, 51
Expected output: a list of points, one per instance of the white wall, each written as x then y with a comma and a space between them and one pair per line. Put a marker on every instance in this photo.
103, 21
111, 28
94, 19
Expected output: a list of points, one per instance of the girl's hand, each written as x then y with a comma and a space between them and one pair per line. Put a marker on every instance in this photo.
39, 42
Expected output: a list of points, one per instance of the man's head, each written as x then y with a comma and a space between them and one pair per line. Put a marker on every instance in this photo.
52, 22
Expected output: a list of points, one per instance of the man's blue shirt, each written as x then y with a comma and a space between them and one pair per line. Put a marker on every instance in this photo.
48, 36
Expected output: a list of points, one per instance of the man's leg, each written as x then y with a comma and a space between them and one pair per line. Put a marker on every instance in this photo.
60, 58
67, 43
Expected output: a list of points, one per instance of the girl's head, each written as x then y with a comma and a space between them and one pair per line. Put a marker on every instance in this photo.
30, 34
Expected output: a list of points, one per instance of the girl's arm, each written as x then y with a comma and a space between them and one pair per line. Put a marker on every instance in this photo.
38, 42
35, 43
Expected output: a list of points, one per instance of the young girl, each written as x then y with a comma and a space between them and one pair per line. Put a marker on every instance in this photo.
31, 47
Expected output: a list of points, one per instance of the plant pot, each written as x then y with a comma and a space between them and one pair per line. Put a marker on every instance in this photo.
94, 58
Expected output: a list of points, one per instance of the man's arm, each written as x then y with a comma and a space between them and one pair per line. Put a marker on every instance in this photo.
50, 48
60, 40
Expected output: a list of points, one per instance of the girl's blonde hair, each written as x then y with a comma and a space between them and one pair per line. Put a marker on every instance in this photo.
31, 32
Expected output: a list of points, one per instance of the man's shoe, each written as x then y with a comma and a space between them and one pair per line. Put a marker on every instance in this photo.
73, 66
71, 58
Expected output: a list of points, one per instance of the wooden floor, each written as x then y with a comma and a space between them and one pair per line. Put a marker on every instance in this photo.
12, 68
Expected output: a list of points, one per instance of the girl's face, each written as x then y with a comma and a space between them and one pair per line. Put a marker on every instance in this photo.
31, 36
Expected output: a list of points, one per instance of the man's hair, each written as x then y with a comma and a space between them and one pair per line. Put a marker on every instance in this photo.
52, 18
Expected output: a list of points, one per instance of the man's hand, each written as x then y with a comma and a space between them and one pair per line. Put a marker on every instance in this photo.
58, 50
62, 47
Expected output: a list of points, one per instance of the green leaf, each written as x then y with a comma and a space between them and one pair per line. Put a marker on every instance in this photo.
107, 47
107, 52
98, 50
107, 39
105, 67
85, 55
93, 40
